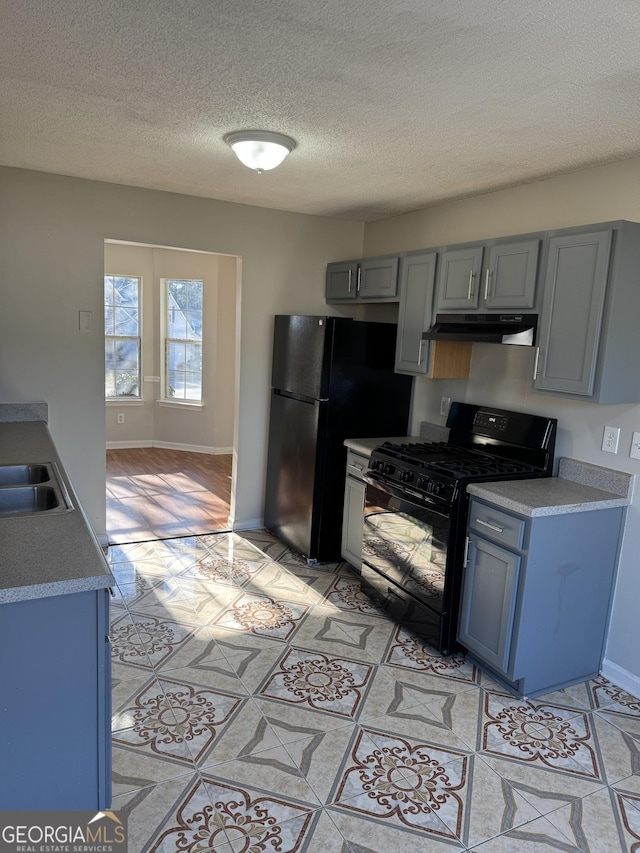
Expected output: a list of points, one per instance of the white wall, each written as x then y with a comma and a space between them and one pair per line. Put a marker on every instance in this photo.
501, 375
206, 428
52, 232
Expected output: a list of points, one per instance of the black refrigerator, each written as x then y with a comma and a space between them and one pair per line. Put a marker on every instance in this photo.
332, 378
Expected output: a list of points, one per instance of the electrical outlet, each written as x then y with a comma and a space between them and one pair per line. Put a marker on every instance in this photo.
120, 418
445, 402
610, 439
634, 453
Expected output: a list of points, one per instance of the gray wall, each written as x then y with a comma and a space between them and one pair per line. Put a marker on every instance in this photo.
502, 375
52, 232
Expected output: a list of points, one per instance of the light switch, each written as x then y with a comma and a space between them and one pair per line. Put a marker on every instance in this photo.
85, 321
634, 453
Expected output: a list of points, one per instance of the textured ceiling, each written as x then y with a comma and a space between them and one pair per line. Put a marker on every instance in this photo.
394, 104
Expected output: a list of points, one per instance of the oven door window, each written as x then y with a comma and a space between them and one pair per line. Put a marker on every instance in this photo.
406, 542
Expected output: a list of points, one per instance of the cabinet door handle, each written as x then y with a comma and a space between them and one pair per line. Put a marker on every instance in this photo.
359, 279
465, 559
349, 283
420, 351
471, 277
486, 284
490, 526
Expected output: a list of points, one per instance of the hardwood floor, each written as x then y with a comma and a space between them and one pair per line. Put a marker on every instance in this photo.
153, 493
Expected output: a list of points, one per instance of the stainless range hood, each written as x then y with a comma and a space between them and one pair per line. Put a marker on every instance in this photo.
517, 329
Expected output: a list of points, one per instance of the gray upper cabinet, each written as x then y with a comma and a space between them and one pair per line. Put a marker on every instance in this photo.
342, 281
588, 338
510, 275
436, 359
489, 277
364, 280
459, 279
417, 278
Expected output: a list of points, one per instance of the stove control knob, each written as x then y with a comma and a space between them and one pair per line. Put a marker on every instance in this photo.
387, 468
405, 476
436, 488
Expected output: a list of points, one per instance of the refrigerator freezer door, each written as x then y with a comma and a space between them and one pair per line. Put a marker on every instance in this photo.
291, 466
299, 355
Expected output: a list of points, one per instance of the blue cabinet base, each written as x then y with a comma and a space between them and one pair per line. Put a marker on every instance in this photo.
55, 742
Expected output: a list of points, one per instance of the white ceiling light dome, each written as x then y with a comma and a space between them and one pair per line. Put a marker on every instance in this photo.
260, 149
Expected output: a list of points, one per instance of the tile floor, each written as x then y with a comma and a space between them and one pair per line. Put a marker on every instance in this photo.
262, 705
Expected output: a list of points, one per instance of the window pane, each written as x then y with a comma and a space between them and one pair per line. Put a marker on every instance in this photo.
126, 321
183, 351
122, 331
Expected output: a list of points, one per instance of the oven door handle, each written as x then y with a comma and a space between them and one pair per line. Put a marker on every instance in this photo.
405, 493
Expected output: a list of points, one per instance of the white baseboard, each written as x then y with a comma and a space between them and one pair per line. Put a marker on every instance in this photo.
125, 445
169, 445
621, 677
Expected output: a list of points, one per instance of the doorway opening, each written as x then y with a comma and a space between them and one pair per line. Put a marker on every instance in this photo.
170, 461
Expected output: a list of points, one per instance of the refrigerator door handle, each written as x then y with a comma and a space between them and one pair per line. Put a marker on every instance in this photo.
292, 396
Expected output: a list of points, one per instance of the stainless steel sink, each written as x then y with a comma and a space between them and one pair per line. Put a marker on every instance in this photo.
28, 499
23, 475
32, 489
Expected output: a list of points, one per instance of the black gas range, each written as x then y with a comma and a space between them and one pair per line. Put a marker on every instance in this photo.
416, 510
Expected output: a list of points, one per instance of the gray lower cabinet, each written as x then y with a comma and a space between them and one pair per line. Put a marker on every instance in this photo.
536, 594
496, 276
588, 336
364, 280
55, 711
353, 512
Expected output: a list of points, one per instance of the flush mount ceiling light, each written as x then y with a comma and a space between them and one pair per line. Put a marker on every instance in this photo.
260, 149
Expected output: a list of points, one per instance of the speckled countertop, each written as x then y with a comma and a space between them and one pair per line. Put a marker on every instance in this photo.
579, 487
46, 554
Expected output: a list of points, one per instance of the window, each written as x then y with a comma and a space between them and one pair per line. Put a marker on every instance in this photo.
122, 337
183, 340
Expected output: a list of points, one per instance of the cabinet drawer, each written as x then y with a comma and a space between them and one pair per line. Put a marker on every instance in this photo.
493, 523
356, 464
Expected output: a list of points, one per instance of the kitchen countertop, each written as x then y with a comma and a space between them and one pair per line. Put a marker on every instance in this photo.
46, 554
575, 489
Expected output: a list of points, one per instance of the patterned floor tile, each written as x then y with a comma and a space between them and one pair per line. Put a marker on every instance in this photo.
166, 601
328, 684
410, 652
129, 658
399, 696
604, 822
160, 638
248, 656
227, 569
345, 594
248, 733
155, 729
262, 616
364, 834
619, 751
201, 712
201, 652
306, 586
268, 700
403, 783
561, 739
150, 808
537, 836
334, 631
268, 772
